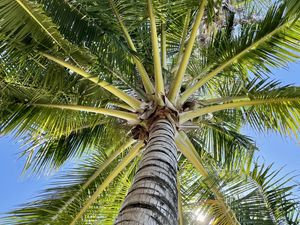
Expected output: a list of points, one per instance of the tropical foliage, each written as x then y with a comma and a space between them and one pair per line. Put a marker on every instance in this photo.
83, 80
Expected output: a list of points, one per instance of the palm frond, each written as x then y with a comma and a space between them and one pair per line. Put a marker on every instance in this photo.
48, 154
27, 23
52, 136
270, 42
54, 206
276, 189
260, 101
186, 147
257, 196
224, 143
35, 31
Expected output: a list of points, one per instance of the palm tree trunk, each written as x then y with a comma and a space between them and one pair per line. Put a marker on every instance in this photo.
152, 199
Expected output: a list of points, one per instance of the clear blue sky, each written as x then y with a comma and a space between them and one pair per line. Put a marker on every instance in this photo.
15, 190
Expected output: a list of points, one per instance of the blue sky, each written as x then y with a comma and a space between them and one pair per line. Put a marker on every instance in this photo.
15, 190
284, 151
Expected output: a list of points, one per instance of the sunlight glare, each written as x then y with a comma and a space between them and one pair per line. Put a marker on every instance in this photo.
200, 216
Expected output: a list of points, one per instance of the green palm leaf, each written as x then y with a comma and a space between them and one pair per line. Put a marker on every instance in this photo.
259, 101
271, 42
56, 204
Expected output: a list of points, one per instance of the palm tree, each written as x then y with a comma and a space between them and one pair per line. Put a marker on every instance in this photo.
151, 96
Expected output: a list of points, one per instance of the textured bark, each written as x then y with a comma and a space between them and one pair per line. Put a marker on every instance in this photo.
152, 199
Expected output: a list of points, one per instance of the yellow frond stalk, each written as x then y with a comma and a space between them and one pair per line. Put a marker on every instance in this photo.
188, 150
183, 117
130, 117
140, 67
159, 82
126, 160
96, 174
134, 103
176, 84
191, 90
